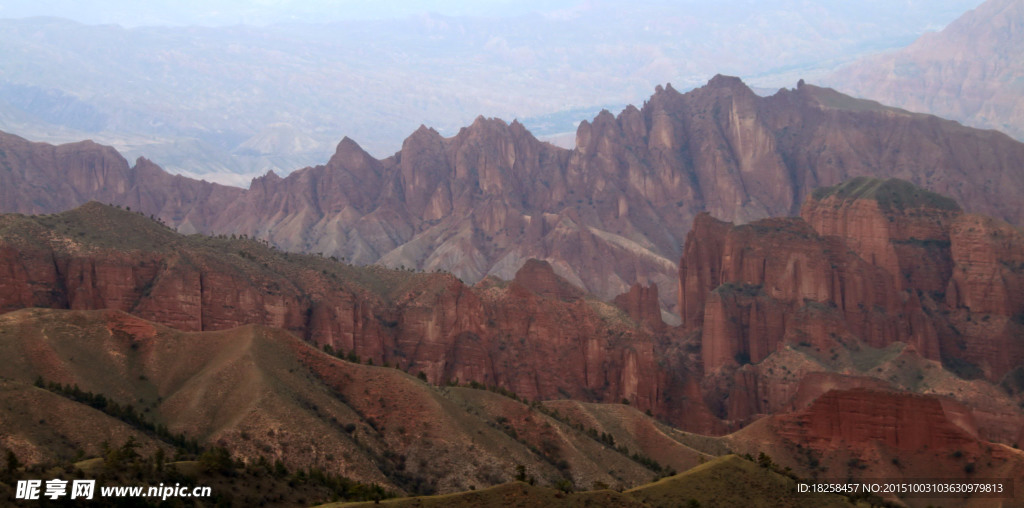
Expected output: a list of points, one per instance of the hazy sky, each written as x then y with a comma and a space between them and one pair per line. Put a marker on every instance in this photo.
131, 13
261, 12
312, 78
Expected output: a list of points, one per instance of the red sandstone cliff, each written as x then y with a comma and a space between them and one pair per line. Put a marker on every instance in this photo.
890, 224
872, 432
990, 256
778, 277
885, 256
641, 303
872, 266
861, 417
537, 335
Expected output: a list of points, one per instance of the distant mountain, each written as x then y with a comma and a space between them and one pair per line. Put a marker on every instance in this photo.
612, 212
972, 71
188, 97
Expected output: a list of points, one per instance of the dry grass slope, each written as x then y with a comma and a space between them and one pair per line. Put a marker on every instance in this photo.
723, 482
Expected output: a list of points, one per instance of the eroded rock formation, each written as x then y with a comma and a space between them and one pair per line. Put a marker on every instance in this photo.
612, 212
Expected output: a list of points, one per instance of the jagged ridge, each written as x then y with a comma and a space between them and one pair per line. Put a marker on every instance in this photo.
609, 213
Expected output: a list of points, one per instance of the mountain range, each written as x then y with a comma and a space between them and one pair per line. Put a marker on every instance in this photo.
611, 212
220, 102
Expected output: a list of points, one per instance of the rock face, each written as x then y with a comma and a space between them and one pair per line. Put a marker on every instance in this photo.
608, 214
891, 224
986, 295
42, 178
641, 303
799, 323
871, 265
881, 256
700, 269
969, 71
537, 335
902, 422
990, 255
778, 276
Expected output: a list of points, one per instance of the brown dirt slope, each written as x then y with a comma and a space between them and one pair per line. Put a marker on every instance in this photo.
263, 392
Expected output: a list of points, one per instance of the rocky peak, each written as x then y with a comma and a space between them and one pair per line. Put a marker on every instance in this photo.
491, 133
605, 117
423, 139
270, 175
423, 166
350, 178
582, 137
144, 165
642, 305
483, 122
664, 92
349, 154
601, 135
721, 81
267, 184
518, 129
725, 87
539, 277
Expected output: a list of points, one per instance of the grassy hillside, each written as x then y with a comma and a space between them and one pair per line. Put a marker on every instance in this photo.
266, 396
723, 482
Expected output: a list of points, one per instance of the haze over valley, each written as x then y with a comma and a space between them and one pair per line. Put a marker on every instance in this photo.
205, 96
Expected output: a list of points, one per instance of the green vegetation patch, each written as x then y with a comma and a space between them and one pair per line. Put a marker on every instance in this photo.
1013, 382
730, 481
891, 194
731, 288
867, 357
962, 368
